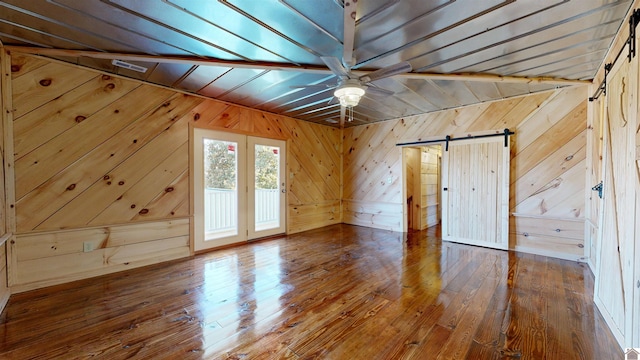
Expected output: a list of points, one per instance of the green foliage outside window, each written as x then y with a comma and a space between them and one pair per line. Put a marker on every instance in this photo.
220, 165
266, 167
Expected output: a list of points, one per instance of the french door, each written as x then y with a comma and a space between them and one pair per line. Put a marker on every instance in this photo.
475, 192
238, 186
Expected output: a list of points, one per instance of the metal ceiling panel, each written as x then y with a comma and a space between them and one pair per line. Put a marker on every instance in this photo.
259, 53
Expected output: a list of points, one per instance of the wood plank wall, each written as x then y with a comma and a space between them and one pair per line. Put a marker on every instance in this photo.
102, 161
547, 166
7, 211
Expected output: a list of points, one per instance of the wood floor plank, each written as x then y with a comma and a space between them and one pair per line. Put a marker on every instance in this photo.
340, 292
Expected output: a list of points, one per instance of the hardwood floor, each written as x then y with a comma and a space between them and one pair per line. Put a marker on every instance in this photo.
341, 292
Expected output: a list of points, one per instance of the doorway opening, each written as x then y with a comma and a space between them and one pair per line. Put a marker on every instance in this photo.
422, 169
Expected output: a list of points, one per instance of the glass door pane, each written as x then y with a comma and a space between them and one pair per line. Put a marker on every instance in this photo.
219, 188
267, 190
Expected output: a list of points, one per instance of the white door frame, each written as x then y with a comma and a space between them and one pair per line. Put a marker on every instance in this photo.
246, 203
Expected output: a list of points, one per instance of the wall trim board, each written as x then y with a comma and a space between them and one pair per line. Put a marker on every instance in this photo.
49, 258
542, 217
379, 215
549, 253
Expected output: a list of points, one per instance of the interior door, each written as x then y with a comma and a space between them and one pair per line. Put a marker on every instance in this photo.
613, 292
475, 192
238, 187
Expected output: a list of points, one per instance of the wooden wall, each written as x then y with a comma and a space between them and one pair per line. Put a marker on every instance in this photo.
547, 166
102, 162
7, 223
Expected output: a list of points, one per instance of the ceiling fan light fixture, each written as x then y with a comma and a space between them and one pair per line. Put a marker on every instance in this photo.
349, 95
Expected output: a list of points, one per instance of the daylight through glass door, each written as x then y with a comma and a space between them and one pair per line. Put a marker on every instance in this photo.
239, 188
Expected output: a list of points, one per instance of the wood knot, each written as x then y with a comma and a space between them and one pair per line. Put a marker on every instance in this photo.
133, 206
15, 68
106, 177
135, 141
196, 117
169, 189
143, 211
116, 111
80, 118
568, 158
71, 187
106, 77
46, 82
121, 182
110, 86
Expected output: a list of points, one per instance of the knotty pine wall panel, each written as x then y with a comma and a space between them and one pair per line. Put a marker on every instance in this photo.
313, 161
54, 257
94, 153
7, 213
547, 180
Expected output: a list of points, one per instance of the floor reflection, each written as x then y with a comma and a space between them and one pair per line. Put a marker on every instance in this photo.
341, 292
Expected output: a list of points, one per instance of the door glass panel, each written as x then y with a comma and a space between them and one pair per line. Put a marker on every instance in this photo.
221, 188
267, 193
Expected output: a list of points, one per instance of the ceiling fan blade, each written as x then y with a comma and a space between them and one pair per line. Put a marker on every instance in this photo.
335, 65
349, 33
376, 91
399, 68
343, 115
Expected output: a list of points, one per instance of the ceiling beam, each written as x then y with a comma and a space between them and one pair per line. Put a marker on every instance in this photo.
262, 65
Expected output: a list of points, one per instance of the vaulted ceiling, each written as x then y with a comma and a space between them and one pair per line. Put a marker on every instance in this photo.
258, 53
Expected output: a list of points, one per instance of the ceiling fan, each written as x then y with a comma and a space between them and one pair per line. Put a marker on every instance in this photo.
351, 88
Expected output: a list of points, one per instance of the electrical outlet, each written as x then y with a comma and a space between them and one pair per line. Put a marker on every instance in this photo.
87, 246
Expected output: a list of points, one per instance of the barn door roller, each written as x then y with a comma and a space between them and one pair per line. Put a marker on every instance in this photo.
634, 21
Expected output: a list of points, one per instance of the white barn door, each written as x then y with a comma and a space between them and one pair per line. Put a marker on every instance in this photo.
614, 286
475, 192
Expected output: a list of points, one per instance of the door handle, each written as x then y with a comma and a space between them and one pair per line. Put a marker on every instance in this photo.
598, 188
